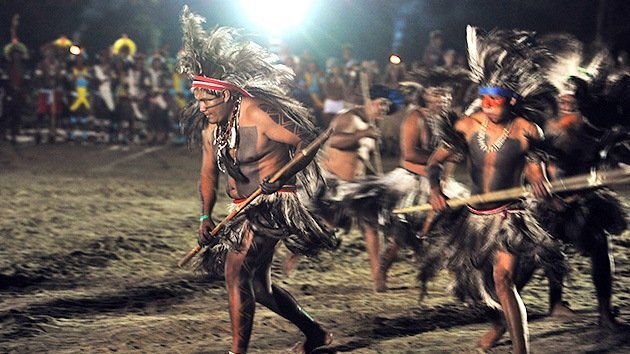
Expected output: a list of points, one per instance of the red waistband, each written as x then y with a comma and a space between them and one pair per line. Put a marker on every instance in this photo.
503, 209
285, 189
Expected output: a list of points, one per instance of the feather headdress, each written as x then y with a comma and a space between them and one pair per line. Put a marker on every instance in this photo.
224, 58
512, 61
571, 61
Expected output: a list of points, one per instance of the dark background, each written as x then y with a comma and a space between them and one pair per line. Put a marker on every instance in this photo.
369, 25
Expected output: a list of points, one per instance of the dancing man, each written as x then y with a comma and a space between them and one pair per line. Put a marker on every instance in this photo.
249, 129
420, 134
583, 219
347, 160
488, 244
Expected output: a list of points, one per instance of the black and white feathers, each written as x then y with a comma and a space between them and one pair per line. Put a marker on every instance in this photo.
223, 53
514, 60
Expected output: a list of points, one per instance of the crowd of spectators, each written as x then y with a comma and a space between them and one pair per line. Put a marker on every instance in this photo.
118, 96
122, 97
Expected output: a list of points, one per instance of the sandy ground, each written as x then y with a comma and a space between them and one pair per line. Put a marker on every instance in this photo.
89, 241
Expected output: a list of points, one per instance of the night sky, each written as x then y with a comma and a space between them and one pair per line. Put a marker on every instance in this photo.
369, 25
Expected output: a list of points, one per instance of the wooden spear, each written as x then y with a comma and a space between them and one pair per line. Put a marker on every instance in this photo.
314, 145
593, 180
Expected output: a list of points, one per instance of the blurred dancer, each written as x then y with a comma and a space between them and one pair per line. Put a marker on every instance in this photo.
347, 159
584, 219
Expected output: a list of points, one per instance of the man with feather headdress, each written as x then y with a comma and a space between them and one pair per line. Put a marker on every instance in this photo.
249, 128
584, 219
486, 246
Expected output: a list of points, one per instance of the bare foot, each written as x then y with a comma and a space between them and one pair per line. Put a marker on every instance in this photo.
607, 321
561, 309
491, 337
380, 282
289, 263
310, 345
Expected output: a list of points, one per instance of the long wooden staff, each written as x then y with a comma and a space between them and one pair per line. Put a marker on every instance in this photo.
365, 91
593, 180
314, 145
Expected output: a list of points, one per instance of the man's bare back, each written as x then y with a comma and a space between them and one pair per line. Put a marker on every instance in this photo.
348, 150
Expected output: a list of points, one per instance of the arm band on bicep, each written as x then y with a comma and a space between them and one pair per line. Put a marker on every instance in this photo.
434, 175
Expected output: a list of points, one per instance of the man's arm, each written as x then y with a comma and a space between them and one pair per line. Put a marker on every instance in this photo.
346, 136
534, 170
277, 127
411, 131
208, 183
434, 168
445, 154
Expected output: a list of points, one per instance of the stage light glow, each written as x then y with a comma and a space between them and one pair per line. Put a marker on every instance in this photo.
277, 16
75, 50
394, 59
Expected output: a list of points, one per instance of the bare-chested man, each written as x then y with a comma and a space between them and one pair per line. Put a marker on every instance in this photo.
408, 185
497, 142
250, 134
489, 242
583, 219
347, 158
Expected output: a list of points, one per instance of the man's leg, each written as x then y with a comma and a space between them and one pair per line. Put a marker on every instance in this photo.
388, 258
281, 302
511, 303
239, 274
602, 278
372, 244
290, 262
495, 332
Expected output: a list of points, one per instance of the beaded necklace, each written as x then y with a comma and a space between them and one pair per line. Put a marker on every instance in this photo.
481, 138
226, 136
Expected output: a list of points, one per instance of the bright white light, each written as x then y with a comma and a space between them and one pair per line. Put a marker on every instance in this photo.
75, 50
394, 59
277, 16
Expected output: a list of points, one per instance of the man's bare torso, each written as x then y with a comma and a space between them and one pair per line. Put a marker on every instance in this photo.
495, 170
258, 156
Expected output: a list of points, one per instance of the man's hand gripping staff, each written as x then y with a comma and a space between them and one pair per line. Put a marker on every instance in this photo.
268, 183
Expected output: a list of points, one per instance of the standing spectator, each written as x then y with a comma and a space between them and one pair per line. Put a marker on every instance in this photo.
346, 56
80, 107
104, 104
138, 92
334, 89
313, 77
13, 89
122, 129
433, 52
49, 74
157, 83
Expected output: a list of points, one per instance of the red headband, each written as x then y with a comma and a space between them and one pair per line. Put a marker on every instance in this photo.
217, 85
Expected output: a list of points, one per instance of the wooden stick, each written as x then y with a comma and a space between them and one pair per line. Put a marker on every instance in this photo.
315, 144
365, 90
593, 180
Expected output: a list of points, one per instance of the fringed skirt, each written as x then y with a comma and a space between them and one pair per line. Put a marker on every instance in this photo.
584, 220
279, 216
372, 200
466, 241
332, 201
